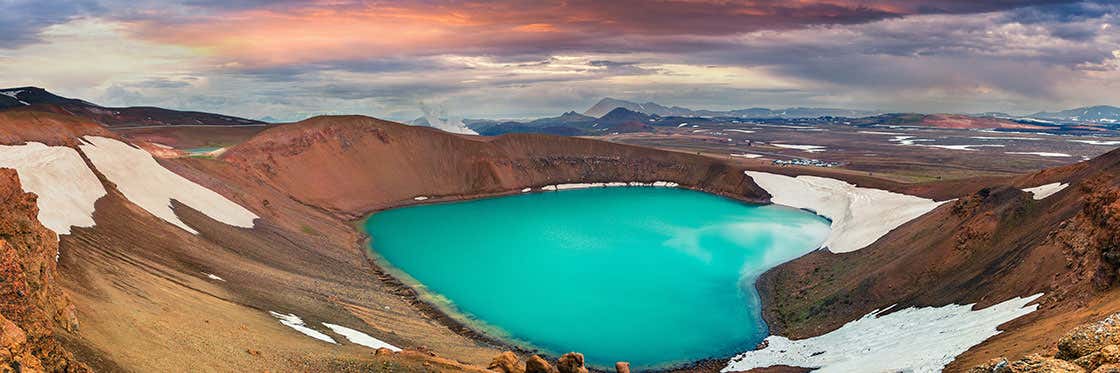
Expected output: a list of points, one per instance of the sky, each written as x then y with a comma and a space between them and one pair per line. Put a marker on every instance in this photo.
288, 60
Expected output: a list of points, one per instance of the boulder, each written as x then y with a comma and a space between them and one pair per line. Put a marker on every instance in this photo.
622, 367
506, 362
1107, 355
571, 362
1030, 364
1108, 368
536, 364
1086, 339
1038, 363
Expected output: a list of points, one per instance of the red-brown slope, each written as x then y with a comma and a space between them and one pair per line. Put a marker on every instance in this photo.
985, 248
959, 121
353, 164
18, 126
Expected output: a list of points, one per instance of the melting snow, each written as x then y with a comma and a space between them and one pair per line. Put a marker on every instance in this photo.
804, 148
13, 95
1043, 154
664, 184
152, 187
1097, 142
878, 133
962, 147
360, 338
1006, 138
923, 339
911, 141
860, 216
1043, 191
67, 188
294, 322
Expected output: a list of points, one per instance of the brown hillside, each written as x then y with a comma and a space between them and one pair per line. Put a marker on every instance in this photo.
984, 248
354, 164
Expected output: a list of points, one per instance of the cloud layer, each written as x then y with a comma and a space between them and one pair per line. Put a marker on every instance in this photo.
291, 59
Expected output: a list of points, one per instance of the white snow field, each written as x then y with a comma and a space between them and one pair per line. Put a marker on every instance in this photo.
1046, 190
357, 337
860, 216
67, 188
152, 187
922, 339
294, 322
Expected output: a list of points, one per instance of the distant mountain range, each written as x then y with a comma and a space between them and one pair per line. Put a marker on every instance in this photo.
36, 97
1103, 114
605, 105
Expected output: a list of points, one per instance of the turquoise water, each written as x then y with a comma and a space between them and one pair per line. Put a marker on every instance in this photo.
202, 150
654, 276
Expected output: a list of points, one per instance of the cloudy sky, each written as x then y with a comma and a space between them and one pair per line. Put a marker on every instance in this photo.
289, 59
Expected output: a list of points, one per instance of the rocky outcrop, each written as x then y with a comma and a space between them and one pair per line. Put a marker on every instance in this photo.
571, 362
537, 364
1093, 347
507, 362
1029, 364
31, 303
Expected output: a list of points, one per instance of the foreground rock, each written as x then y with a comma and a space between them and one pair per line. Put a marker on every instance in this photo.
1088, 348
572, 362
507, 362
31, 305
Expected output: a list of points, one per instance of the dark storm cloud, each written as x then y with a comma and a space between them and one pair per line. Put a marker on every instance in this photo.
21, 21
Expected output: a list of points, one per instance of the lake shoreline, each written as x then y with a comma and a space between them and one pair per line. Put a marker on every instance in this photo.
458, 322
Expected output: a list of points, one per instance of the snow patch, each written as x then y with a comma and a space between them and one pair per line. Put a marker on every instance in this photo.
570, 186
1043, 154
804, 148
67, 188
213, 277
1097, 142
740, 131
963, 147
526, 190
14, 94
860, 216
152, 187
420, 198
294, 322
1006, 138
923, 339
1043, 191
746, 155
357, 337
879, 133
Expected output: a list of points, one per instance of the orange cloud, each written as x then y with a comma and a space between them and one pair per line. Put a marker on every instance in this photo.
339, 29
